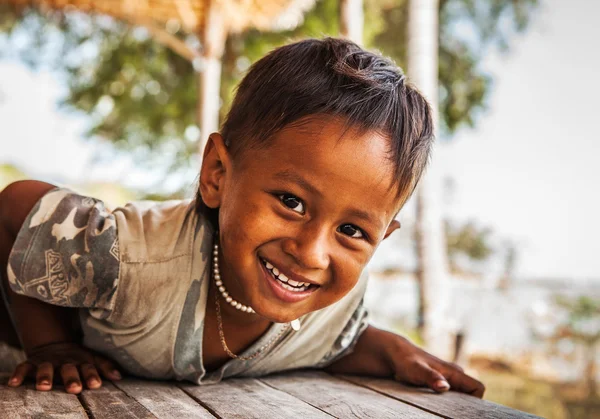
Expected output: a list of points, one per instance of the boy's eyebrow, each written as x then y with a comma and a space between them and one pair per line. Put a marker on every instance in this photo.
290, 176
364, 215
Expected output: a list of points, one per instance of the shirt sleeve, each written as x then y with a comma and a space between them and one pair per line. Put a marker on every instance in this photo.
346, 341
67, 253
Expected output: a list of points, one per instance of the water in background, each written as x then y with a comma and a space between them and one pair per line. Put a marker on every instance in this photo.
495, 322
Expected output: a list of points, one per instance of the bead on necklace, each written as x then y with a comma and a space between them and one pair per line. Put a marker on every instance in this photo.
295, 324
221, 287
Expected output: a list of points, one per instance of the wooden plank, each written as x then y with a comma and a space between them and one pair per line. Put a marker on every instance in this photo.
448, 405
249, 398
162, 399
341, 398
26, 402
108, 402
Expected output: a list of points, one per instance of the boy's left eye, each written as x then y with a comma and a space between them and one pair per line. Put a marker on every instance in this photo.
292, 202
351, 230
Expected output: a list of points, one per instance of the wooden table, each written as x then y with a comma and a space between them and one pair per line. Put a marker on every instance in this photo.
303, 394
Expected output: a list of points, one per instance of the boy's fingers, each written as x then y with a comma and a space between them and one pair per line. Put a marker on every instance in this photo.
20, 373
107, 368
432, 378
423, 374
455, 366
44, 376
90, 376
466, 384
70, 377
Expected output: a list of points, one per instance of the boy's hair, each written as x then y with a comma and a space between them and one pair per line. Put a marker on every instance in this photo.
332, 77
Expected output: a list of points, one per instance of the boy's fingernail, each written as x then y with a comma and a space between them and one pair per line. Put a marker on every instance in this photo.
117, 374
442, 385
13, 380
44, 382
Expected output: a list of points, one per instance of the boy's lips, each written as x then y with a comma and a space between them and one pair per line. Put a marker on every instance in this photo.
280, 290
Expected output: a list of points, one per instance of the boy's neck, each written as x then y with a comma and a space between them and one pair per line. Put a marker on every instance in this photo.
231, 316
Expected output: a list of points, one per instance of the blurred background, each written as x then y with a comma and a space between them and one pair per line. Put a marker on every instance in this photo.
496, 265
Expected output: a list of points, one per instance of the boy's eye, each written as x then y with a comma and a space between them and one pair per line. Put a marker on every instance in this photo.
292, 202
351, 230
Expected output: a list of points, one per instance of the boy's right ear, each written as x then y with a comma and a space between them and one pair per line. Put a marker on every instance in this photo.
215, 164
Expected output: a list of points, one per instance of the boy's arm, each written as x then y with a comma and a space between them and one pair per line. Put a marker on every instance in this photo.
44, 329
37, 323
385, 354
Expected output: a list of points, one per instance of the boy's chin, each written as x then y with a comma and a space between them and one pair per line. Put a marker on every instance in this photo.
278, 317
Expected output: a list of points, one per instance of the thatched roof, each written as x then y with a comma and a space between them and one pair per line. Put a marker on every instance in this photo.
238, 14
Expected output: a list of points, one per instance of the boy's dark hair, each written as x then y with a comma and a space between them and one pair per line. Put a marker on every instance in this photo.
332, 77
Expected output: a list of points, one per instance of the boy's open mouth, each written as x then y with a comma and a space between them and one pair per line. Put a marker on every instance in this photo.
284, 281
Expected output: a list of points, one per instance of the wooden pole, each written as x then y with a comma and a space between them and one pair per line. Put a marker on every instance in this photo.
432, 271
352, 20
212, 37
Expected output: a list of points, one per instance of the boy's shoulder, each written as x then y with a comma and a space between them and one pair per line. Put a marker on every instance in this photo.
152, 231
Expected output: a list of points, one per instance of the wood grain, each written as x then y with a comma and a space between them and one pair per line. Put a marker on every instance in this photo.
340, 398
26, 402
163, 399
249, 398
109, 402
452, 405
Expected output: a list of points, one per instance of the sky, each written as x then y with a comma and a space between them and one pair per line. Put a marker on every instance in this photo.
529, 170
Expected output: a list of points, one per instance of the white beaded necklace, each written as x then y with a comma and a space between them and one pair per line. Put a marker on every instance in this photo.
295, 324
221, 287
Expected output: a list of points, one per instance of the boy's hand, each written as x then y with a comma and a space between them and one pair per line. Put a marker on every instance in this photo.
413, 365
385, 354
69, 360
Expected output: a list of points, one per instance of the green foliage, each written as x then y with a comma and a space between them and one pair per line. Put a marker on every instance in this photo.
468, 241
582, 323
141, 96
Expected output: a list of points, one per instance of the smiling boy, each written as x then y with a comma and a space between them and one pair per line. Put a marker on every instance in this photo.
322, 147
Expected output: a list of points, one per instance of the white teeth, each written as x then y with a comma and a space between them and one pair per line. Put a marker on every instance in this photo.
288, 287
285, 282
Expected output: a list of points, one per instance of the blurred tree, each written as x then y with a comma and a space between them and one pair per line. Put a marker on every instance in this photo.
466, 241
576, 320
141, 96
352, 20
432, 262
510, 263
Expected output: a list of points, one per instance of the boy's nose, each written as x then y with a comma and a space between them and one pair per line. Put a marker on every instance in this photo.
309, 247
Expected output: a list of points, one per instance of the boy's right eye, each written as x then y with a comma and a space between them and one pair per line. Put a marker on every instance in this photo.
292, 202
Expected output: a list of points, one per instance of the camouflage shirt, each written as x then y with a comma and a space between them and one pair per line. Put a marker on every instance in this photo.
139, 276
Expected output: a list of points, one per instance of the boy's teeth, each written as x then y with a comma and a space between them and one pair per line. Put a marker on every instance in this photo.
287, 283
289, 287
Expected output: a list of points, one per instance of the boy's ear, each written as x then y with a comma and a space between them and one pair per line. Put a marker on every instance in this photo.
394, 225
215, 163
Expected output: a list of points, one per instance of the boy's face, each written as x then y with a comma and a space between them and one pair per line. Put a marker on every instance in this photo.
312, 204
